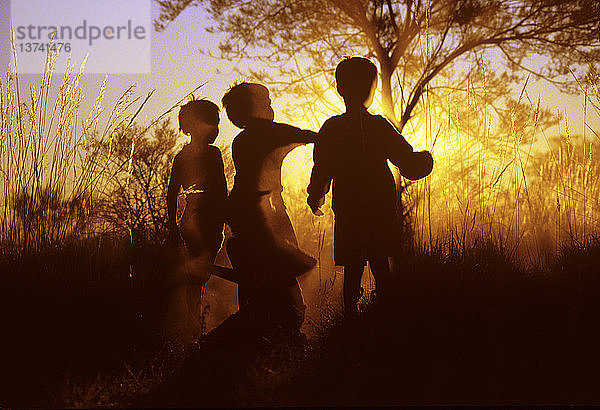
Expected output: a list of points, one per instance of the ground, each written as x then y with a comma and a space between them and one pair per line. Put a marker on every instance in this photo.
468, 329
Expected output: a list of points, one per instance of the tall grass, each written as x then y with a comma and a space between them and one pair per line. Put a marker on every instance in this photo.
529, 192
50, 179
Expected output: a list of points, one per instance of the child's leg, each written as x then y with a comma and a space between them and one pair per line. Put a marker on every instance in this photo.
241, 261
295, 304
380, 268
352, 277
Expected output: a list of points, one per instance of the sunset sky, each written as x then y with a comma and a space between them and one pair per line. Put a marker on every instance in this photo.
177, 67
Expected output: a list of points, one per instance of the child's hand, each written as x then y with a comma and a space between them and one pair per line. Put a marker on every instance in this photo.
315, 204
418, 165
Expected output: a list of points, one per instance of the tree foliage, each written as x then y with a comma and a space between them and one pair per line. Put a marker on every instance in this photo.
434, 47
138, 166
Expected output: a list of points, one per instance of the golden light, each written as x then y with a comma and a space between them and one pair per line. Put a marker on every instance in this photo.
297, 166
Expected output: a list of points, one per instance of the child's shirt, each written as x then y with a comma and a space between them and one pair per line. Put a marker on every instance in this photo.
258, 152
352, 150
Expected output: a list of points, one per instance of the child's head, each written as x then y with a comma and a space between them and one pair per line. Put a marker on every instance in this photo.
200, 119
246, 101
356, 79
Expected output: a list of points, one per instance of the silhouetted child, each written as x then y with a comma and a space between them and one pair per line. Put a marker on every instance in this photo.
264, 248
352, 149
198, 169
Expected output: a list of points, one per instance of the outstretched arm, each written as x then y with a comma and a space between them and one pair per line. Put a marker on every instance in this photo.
305, 136
294, 136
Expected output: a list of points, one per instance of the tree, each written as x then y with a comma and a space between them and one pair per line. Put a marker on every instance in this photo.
138, 165
413, 42
46, 217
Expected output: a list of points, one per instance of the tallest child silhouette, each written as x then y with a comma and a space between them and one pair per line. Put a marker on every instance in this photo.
352, 150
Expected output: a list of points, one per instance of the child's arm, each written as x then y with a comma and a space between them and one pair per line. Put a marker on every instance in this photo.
220, 182
221, 174
172, 192
397, 148
412, 165
321, 175
296, 136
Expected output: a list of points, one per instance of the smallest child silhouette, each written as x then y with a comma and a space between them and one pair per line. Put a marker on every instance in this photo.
198, 168
352, 149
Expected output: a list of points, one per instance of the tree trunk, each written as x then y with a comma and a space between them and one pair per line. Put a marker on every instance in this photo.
387, 104
387, 97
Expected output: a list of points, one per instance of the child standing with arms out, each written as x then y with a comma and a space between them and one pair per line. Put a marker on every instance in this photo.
264, 248
352, 150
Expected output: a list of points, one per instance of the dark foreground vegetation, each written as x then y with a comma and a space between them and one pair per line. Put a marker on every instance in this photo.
469, 328
70, 316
